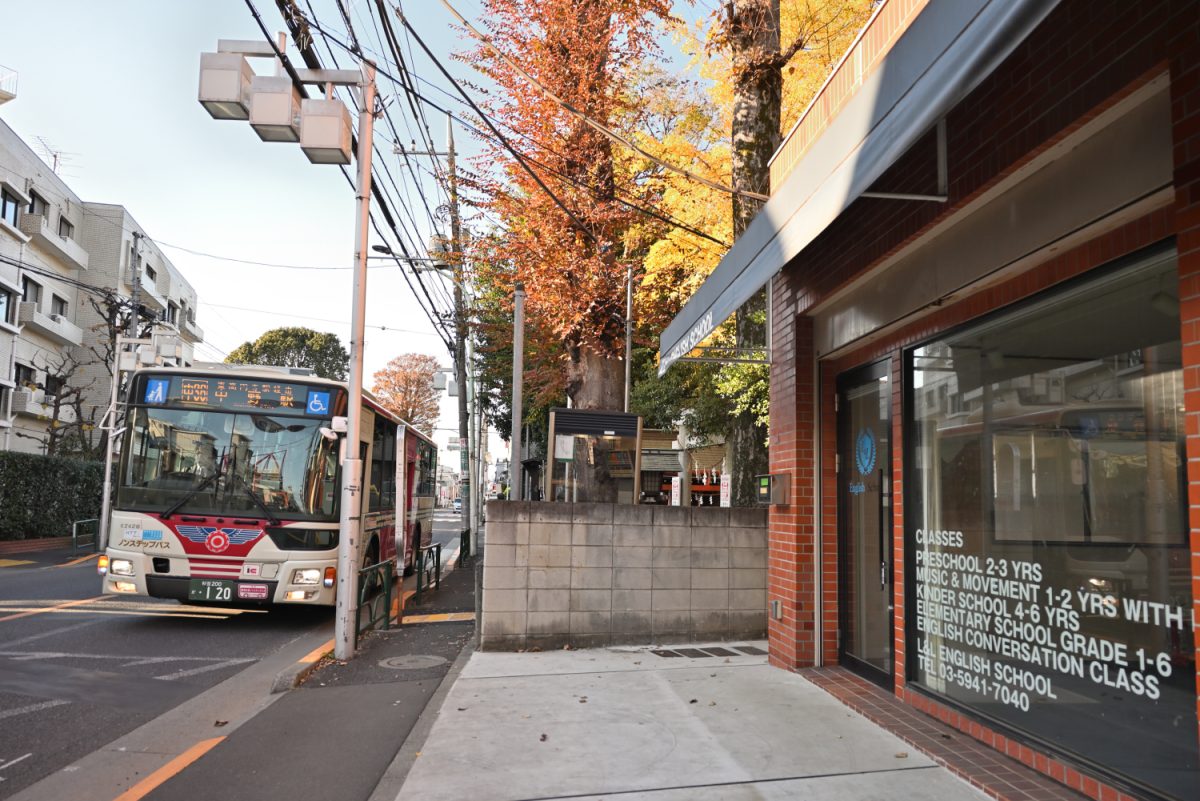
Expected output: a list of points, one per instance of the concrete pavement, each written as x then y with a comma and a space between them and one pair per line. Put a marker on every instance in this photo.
628, 721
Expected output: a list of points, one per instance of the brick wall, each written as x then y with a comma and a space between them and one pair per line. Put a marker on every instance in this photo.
1081, 61
590, 574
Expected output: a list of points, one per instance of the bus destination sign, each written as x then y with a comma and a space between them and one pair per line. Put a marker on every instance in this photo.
238, 395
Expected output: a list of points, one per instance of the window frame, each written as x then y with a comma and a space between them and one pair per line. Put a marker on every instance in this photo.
28, 284
10, 204
64, 223
59, 305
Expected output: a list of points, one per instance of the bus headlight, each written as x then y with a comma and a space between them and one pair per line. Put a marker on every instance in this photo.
120, 567
308, 575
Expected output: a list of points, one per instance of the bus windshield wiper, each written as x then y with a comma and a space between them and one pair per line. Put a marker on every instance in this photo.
274, 521
192, 493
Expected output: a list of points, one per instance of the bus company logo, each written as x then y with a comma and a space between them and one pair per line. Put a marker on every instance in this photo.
218, 539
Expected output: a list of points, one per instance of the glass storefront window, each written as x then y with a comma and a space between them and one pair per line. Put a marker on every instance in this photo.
1049, 581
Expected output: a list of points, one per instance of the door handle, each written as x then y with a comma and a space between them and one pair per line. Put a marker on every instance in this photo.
883, 575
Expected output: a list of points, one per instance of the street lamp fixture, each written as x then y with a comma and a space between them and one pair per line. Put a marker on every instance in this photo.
225, 85
325, 130
275, 108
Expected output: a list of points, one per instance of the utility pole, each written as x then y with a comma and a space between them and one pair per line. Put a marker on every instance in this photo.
135, 268
460, 330
111, 422
350, 522
514, 454
628, 333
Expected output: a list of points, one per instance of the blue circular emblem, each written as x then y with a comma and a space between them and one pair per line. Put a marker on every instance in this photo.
865, 451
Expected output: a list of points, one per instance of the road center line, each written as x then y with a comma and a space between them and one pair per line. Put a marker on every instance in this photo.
176, 765
53, 608
444, 617
80, 559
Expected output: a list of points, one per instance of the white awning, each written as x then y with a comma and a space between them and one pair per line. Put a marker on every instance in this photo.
947, 51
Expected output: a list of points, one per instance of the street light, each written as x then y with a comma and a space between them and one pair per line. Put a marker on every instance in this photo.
226, 89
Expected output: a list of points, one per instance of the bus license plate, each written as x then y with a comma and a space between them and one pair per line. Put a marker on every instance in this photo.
211, 590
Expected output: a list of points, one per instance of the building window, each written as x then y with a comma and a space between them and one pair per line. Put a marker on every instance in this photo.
151, 274
58, 306
37, 204
1046, 524
31, 291
66, 228
54, 386
10, 207
6, 306
24, 375
172, 313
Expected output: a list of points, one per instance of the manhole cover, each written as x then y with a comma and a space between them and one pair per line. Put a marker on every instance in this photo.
415, 662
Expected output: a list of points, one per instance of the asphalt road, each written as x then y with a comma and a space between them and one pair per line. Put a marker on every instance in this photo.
79, 670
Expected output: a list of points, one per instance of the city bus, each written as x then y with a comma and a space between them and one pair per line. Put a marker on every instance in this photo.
229, 484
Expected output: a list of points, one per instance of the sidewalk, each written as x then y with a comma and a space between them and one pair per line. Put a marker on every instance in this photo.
586, 724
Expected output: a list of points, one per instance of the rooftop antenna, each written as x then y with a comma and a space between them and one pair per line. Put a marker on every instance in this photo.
51, 155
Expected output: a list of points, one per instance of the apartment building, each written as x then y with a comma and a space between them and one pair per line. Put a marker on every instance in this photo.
63, 263
127, 263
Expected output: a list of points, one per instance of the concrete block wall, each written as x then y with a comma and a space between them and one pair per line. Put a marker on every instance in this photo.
591, 574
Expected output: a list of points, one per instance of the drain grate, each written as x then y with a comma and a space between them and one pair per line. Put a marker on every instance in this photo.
698, 653
720, 652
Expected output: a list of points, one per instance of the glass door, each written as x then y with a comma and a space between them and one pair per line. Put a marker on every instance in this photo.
865, 522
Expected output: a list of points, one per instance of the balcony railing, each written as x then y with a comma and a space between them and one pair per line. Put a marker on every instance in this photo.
36, 403
8, 84
39, 228
191, 331
54, 326
890, 20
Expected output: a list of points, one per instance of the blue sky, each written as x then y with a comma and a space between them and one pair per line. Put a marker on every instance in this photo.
112, 86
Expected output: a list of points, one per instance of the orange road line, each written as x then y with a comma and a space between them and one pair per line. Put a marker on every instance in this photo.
146, 785
53, 608
80, 559
444, 617
316, 653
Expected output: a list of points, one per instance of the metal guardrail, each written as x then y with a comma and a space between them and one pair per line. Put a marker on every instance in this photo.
375, 591
85, 534
425, 568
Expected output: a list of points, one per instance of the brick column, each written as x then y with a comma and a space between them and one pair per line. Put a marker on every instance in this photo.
791, 569
1185, 123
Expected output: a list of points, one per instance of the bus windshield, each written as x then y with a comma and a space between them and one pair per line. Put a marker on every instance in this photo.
221, 463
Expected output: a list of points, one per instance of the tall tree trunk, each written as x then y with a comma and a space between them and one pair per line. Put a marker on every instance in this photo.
594, 382
757, 98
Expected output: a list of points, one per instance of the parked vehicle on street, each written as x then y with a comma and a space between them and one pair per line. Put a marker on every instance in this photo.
229, 486
458, 505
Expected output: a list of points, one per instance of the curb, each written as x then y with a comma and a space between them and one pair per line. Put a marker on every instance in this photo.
397, 772
35, 544
294, 675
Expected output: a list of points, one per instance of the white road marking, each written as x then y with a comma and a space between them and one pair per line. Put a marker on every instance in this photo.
204, 669
15, 761
51, 633
33, 655
21, 710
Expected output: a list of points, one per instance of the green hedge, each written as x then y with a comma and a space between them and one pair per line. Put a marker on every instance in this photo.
41, 496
